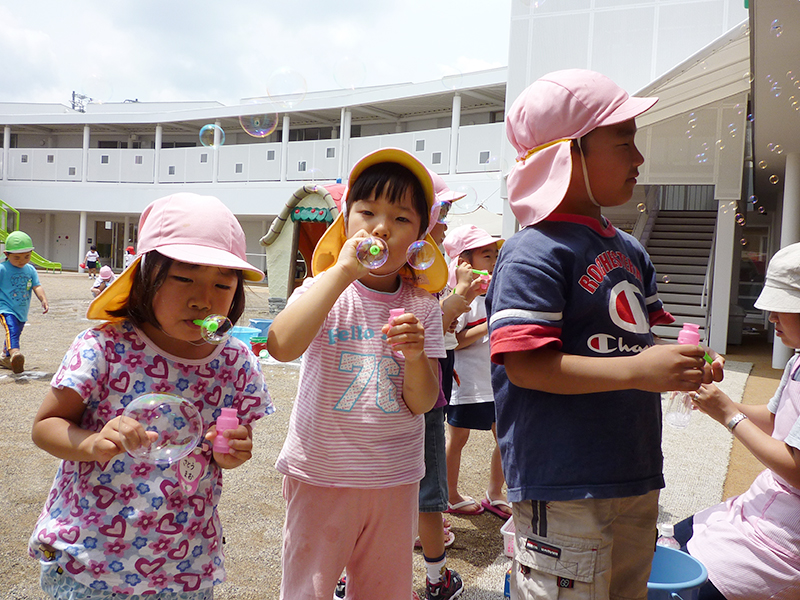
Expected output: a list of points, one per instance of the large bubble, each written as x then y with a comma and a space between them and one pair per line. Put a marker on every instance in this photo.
176, 421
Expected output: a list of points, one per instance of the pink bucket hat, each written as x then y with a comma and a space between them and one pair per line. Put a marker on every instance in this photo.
461, 239
553, 110
106, 273
186, 227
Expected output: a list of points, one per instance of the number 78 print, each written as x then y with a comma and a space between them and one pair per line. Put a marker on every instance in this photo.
366, 367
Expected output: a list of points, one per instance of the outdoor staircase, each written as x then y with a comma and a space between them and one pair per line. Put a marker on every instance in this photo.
680, 247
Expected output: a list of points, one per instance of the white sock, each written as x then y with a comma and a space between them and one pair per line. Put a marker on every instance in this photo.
435, 569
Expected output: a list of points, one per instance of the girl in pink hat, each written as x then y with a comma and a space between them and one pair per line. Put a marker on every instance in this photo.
114, 524
472, 401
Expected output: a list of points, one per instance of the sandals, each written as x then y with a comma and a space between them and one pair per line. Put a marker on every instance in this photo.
496, 507
459, 507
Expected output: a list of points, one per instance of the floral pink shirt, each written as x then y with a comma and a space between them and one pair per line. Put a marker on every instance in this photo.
128, 526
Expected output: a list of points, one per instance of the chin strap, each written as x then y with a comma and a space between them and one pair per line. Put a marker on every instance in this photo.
586, 175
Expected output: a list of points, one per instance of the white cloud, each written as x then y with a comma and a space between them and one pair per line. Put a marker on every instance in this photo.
208, 50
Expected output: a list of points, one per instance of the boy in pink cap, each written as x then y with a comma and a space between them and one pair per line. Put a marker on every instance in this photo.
102, 281
576, 374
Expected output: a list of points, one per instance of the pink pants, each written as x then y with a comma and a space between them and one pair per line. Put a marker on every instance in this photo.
369, 531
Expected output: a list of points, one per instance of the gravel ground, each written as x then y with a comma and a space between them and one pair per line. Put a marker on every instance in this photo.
252, 508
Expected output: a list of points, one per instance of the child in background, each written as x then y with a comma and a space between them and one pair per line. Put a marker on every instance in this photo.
103, 280
18, 278
472, 402
750, 544
91, 260
576, 374
356, 433
113, 525
130, 255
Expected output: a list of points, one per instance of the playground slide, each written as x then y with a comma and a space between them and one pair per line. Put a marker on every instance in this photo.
36, 259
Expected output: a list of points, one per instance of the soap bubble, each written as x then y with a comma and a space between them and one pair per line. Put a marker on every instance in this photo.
762, 210
720, 145
743, 241
420, 255
349, 72
665, 279
776, 28
750, 117
740, 219
732, 130
287, 87
176, 421
259, 126
469, 203
777, 149
774, 179
208, 133
372, 252
215, 328
641, 207
753, 199
762, 164
748, 76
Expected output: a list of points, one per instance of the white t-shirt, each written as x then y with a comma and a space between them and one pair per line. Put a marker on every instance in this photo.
473, 365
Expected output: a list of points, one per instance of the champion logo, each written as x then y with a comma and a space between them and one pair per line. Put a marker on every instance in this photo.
626, 308
602, 343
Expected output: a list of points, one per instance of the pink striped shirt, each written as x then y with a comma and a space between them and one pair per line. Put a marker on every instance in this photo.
350, 426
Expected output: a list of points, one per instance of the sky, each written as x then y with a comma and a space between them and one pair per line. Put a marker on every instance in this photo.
192, 50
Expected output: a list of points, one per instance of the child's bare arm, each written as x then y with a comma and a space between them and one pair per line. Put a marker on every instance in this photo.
659, 368
57, 430
295, 327
755, 432
467, 337
39, 291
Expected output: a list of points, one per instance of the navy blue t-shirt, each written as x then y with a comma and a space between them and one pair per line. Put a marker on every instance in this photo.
587, 290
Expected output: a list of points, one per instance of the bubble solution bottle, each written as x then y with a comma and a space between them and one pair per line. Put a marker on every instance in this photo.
228, 419
666, 536
679, 404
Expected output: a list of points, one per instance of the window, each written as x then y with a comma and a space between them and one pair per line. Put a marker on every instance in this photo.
23, 158
330, 153
72, 171
420, 145
171, 170
301, 166
270, 154
51, 158
107, 144
239, 167
104, 159
136, 145
484, 158
204, 158
436, 158
137, 160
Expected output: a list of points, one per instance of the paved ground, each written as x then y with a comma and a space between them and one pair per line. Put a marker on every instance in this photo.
251, 507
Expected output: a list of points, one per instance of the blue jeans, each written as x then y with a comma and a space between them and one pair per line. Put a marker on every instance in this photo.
433, 487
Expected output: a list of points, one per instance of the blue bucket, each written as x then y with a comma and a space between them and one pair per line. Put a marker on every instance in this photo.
262, 325
244, 333
675, 575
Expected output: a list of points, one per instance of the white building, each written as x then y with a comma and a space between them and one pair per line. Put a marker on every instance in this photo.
78, 178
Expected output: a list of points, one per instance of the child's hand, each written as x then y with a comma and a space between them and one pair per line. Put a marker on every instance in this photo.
45, 307
119, 433
714, 371
347, 256
407, 335
715, 403
240, 442
668, 367
464, 276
